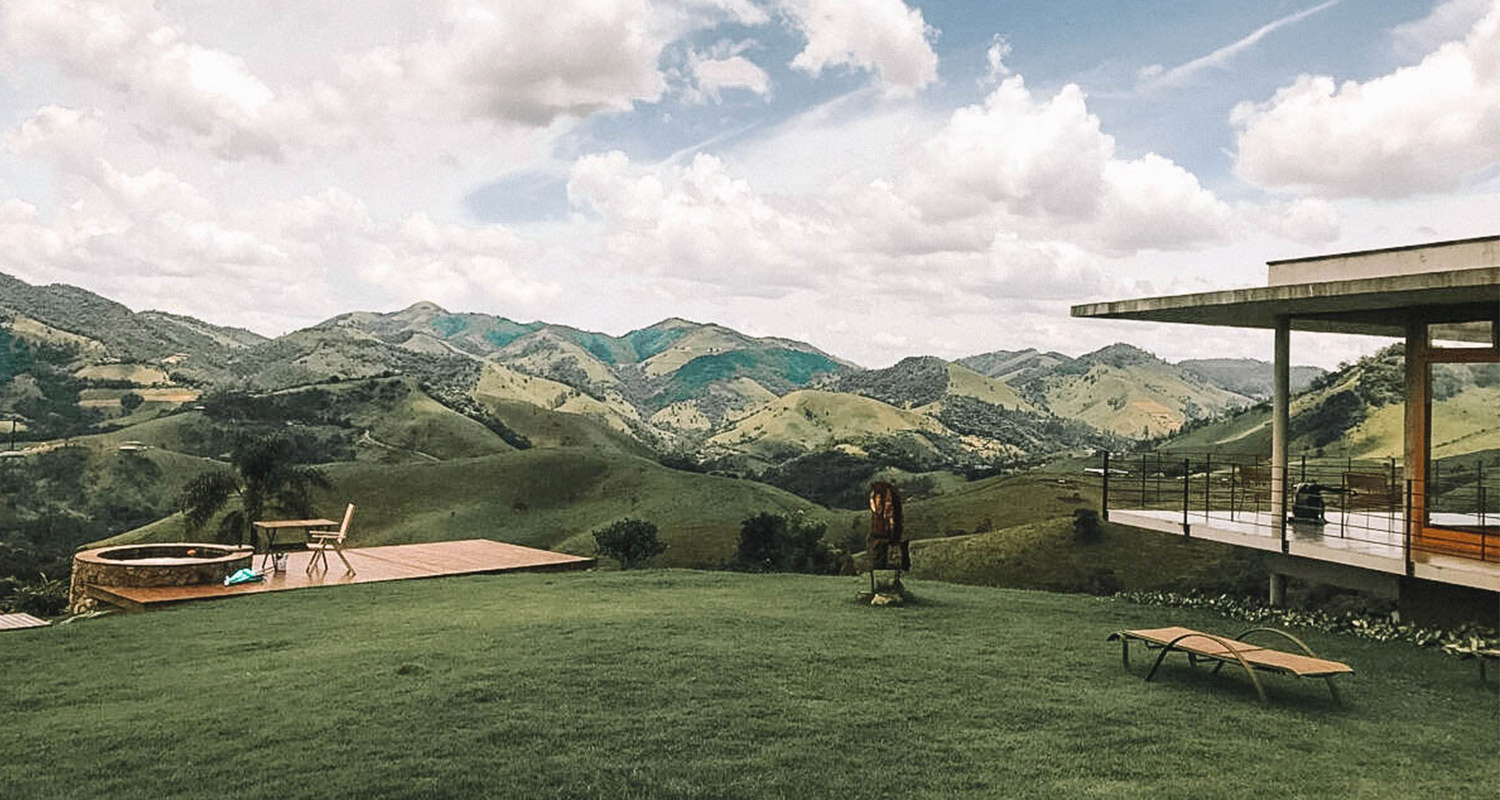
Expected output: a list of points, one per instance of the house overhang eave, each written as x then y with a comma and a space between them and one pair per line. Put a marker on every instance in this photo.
1374, 306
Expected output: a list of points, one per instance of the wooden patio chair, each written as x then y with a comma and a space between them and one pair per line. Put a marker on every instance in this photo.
1371, 491
320, 542
1255, 487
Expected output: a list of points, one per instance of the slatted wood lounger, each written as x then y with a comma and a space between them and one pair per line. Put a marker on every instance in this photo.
1223, 651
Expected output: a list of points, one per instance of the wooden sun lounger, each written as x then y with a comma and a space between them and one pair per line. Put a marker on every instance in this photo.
1253, 658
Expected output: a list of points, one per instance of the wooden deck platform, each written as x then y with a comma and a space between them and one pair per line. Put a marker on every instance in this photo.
371, 564
15, 622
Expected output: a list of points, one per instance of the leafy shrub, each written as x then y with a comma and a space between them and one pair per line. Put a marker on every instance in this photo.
46, 597
130, 401
1086, 528
782, 543
632, 542
1459, 641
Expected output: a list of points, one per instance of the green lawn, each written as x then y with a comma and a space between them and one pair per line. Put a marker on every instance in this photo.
687, 684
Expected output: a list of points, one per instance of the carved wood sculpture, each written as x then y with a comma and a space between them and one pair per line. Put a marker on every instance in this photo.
886, 543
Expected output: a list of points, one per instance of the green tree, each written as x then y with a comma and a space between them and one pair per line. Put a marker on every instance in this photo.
266, 480
632, 542
130, 401
782, 543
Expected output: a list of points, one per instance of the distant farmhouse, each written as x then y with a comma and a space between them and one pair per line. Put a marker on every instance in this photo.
1425, 527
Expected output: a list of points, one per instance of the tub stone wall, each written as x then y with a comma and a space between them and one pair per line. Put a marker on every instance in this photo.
98, 572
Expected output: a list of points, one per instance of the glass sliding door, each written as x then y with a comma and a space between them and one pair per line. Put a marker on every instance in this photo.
1461, 497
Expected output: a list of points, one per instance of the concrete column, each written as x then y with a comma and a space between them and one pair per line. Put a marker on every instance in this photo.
1277, 596
1281, 398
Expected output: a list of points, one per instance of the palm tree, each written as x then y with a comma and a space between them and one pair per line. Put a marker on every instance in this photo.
266, 481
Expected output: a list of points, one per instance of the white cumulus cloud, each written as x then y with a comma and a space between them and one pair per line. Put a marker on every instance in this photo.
1423, 128
883, 36
133, 50
724, 68
1047, 167
698, 223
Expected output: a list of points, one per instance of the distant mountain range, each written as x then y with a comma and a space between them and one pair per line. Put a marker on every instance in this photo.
700, 391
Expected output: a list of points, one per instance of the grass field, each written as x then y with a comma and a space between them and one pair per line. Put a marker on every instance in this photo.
683, 684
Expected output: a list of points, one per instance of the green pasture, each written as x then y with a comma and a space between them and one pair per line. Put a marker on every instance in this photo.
670, 684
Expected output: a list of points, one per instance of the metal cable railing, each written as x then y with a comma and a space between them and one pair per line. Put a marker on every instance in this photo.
1353, 503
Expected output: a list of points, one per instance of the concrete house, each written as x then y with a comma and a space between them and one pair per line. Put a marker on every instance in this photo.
1422, 524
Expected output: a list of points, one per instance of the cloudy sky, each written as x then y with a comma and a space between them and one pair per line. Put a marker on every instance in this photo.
879, 178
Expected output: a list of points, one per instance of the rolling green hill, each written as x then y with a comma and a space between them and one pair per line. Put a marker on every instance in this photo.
677, 387
192, 346
810, 419
1015, 367
1126, 391
672, 382
1247, 376
919, 381
1357, 412
543, 497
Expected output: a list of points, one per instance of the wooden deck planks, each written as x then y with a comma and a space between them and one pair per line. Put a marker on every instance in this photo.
371, 564
15, 622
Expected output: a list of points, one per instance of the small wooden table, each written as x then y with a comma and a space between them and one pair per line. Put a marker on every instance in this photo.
269, 528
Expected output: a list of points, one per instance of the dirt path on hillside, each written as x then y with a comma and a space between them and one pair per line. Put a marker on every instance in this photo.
366, 438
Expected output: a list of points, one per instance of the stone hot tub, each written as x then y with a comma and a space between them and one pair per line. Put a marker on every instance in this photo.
170, 564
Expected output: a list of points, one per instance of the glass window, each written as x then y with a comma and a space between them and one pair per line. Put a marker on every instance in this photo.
1478, 334
1463, 459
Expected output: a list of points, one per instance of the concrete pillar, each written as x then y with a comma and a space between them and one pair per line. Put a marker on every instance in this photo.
1281, 399
1277, 596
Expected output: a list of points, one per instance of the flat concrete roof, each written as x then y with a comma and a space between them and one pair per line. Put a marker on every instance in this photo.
1413, 259
1377, 306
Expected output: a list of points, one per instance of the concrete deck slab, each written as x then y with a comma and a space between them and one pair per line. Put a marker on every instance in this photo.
1371, 541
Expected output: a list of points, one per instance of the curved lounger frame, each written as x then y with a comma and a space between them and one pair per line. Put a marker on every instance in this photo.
1231, 654
1170, 646
1332, 689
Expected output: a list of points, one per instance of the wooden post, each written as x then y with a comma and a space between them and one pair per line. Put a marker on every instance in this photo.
1479, 493
1418, 419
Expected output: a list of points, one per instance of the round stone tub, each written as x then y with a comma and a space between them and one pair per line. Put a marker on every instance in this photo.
168, 564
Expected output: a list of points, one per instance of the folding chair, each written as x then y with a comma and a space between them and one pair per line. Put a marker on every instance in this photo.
320, 542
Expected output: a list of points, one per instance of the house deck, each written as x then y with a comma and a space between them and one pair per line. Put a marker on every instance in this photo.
16, 622
1367, 540
371, 564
